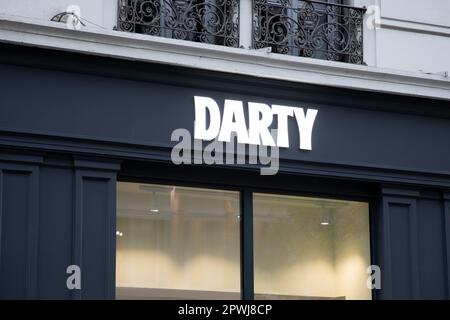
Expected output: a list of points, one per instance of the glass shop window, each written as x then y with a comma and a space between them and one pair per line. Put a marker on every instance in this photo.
177, 243
310, 248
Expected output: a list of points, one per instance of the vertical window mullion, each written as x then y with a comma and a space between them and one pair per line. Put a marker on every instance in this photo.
247, 278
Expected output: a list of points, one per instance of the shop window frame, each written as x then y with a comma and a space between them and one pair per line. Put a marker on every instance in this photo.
246, 215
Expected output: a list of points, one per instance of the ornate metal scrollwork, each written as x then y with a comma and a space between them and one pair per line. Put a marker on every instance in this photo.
208, 21
323, 30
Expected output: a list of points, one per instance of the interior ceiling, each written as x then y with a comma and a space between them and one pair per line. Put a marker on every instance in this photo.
136, 200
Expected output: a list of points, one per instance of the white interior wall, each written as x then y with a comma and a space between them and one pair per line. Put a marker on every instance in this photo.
351, 240
296, 255
198, 255
192, 243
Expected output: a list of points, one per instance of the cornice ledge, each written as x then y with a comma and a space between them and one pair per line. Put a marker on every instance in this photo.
123, 45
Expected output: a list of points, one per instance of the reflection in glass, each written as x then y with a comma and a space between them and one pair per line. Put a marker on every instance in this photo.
177, 243
308, 248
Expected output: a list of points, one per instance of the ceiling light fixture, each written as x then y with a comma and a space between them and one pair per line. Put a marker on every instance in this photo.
154, 203
325, 219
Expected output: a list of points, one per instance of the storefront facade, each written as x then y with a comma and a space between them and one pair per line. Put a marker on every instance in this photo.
82, 136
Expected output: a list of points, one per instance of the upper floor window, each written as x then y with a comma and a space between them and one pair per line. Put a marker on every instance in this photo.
328, 29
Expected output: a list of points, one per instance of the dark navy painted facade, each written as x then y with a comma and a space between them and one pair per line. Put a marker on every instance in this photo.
72, 125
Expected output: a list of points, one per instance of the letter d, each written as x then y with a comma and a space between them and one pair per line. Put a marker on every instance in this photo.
200, 130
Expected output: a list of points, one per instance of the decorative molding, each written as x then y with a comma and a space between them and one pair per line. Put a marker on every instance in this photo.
107, 165
446, 221
123, 45
412, 26
118, 151
32, 220
109, 178
400, 192
412, 244
14, 156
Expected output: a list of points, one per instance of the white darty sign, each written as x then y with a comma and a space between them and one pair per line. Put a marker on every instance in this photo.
260, 118
257, 144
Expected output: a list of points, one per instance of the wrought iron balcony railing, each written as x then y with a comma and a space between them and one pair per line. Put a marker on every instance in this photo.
208, 21
324, 30
317, 29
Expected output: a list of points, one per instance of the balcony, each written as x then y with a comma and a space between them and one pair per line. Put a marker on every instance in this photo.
314, 29
208, 21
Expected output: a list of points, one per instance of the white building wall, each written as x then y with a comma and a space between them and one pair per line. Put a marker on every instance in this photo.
413, 51
99, 12
433, 12
413, 35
